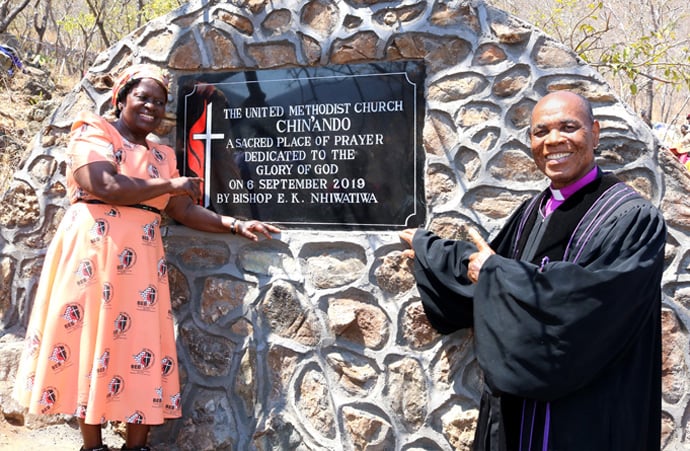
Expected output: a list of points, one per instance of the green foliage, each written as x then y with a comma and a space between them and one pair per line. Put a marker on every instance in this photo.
653, 56
132, 17
118, 23
75, 23
156, 8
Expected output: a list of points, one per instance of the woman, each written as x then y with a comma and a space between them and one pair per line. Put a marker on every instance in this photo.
100, 340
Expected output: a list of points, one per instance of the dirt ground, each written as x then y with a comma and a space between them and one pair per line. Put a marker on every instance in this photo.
61, 437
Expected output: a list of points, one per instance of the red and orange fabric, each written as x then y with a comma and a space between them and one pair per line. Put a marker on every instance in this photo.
100, 340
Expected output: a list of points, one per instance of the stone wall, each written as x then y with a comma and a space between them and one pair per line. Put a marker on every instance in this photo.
317, 340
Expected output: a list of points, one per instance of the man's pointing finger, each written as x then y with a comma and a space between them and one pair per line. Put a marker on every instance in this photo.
478, 240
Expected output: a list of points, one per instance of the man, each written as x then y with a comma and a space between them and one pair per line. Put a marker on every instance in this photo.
565, 303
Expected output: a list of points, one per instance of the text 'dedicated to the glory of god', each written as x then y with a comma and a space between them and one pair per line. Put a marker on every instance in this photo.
328, 147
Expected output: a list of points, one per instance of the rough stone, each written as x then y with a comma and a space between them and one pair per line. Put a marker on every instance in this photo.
52, 218
7, 268
673, 367
676, 204
476, 113
277, 433
396, 17
210, 426
246, 380
314, 401
366, 431
179, 287
361, 46
450, 227
238, 22
394, 273
468, 162
442, 185
406, 390
356, 374
512, 82
304, 342
440, 135
667, 427
438, 53
277, 22
197, 253
282, 363
455, 12
520, 113
358, 322
210, 355
549, 55
268, 258
456, 87
277, 54
221, 48
20, 207
10, 352
186, 55
220, 296
416, 329
486, 138
508, 30
458, 427
489, 54
496, 203
333, 266
311, 49
286, 317
516, 164
158, 44
321, 16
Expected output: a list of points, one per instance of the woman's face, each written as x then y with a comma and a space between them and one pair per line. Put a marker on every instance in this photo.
144, 107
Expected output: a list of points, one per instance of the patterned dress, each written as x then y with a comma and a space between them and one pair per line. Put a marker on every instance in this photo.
100, 341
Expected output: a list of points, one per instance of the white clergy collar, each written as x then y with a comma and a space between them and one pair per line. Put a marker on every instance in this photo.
557, 195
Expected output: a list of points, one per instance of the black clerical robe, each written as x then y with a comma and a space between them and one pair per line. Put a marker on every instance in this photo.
566, 320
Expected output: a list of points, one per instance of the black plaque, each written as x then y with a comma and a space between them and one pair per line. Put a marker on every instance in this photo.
336, 147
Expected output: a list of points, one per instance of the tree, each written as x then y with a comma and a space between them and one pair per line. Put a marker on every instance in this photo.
8, 13
41, 24
641, 47
68, 34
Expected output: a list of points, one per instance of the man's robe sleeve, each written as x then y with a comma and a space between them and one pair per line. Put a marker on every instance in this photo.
441, 274
440, 271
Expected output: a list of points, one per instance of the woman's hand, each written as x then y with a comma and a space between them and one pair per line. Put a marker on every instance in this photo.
249, 229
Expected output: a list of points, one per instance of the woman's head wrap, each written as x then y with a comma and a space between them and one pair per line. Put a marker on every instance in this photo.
139, 71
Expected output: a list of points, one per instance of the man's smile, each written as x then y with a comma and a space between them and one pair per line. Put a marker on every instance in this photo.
558, 156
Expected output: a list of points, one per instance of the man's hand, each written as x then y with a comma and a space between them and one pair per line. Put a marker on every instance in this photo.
406, 236
478, 258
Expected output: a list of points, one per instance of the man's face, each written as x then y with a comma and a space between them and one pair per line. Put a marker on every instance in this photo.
563, 138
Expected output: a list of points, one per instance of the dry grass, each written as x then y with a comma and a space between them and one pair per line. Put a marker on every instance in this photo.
16, 127
12, 131
9, 160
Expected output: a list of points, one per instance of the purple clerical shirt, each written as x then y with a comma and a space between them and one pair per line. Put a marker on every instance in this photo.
558, 196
